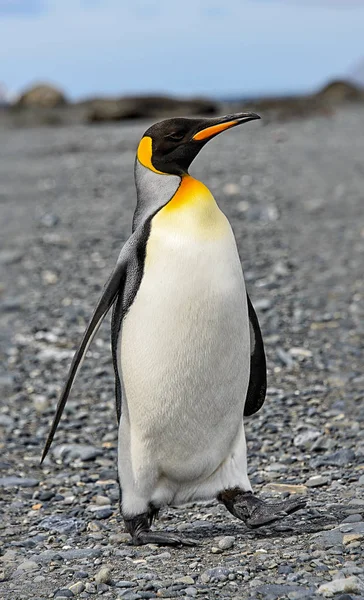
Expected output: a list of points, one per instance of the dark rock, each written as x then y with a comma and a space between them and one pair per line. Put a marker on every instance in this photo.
103, 513
340, 91
62, 524
70, 451
13, 481
64, 593
273, 590
143, 107
341, 458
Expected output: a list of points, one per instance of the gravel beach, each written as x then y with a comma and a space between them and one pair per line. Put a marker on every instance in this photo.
294, 194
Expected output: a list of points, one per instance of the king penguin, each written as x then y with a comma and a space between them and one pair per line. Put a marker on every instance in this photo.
187, 348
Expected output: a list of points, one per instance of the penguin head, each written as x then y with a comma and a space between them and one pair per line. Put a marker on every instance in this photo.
169, 147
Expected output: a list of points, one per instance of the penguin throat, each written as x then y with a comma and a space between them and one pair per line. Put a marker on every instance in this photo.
154, 191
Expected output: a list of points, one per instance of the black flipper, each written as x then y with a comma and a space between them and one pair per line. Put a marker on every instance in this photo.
120, 290
258, 368
111, 290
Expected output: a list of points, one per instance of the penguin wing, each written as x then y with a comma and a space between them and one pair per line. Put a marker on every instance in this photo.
258, 370
113, 288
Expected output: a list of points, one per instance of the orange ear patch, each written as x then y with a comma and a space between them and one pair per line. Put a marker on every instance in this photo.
213, 130
144, 154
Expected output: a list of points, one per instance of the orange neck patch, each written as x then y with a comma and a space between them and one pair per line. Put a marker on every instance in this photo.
190, 191
144, 154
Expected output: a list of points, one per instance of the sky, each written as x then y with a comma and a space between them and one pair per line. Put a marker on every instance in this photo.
192, 47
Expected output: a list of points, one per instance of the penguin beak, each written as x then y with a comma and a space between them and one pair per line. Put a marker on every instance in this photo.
215, 126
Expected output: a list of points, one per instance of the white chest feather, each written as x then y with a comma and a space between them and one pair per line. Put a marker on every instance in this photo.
184, 349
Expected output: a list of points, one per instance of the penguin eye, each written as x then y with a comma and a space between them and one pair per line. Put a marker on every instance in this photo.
176, 137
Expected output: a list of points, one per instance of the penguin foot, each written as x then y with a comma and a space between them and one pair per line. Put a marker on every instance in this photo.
256, 512
139, 529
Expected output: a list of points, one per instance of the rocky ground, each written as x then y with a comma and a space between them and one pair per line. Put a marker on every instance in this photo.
295, 197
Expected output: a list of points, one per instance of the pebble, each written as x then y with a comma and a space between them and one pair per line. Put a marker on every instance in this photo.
62, 524
13, 481
353, 519
305, 438
77, 588
103, 575
317, 481
186, 580
82, 451
64, 593
341, 458
285, 487
103, 513
28, 565
226, 542
350, 585
215, 574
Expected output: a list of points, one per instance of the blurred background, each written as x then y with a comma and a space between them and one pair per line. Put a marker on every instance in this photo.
91, 60
81, 80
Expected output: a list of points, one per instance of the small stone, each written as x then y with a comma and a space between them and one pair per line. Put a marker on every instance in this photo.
186, 580
231, 189
28, 565
84, 452
13, 481
341, 458
103, 575
262, 304
217, 573
328, 539
79, 553
226, 542
102, 500
351, 585
348, 538
191, 591
49, 220
9, 556
125, 584
64, 593
361, 480
306, 437
285, 487
103, 513
161, 556
62, 524
49, 277
77, 588
356, 518
285, 358
10, 257
90, 588
40, 403
317, 481
6, 421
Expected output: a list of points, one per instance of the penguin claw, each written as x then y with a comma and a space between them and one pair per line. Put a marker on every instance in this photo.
264, 513
162, 539
256, 512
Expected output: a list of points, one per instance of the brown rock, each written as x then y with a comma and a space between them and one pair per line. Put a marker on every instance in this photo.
338, 92
147, 107
41, 96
